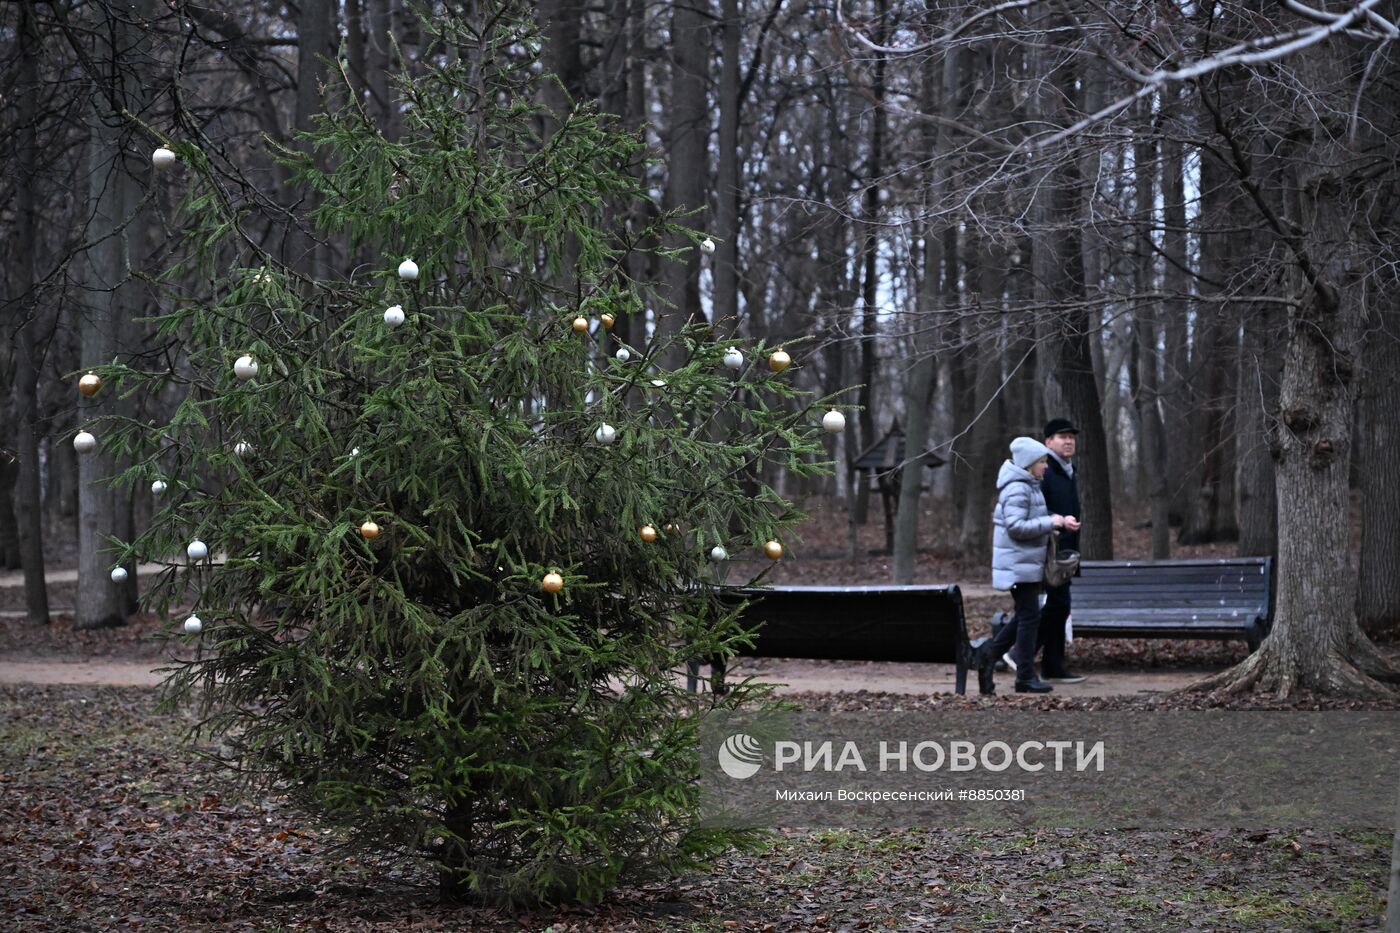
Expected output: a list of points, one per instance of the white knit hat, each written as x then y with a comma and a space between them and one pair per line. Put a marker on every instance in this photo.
1027, 450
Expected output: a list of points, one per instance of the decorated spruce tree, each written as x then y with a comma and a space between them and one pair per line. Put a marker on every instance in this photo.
446, 542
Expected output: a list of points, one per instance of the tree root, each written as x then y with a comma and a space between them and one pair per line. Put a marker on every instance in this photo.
1267, 671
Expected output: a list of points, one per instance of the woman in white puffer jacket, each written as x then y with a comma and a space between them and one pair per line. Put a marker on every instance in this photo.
1023, 528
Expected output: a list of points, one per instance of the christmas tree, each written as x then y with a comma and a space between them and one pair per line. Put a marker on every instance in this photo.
446, 550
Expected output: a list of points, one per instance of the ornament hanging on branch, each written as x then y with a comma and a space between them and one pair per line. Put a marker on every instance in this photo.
245, 368
605, 434
197, 550
369, 531
733, 359
580, 325
718, 554
647, 534
408, 270
158, 487
193, 625
607, 320
84, 442
779, 361
623, 354
707, 246
162, 158
773, 550
552, 583
833, 422
243, 450
119, 574
90, 384
393, 316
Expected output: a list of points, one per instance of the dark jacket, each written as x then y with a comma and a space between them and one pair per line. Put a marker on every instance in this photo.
1062, 498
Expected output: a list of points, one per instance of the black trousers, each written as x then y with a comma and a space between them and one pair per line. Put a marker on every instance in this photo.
1022, 631
1052, 629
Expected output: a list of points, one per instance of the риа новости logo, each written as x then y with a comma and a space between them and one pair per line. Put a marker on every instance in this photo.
740, 756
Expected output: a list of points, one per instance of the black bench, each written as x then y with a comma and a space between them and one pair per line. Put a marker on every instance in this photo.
853, 623
1222, 599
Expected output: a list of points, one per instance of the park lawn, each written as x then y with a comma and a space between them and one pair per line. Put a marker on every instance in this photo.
109, 822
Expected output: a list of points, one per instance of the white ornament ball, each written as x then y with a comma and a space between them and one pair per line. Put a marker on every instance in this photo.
622, 355
245, 368
197, 550
193, 625
834, 422
408, 270
658, 384
733, 358
707, 246
354, 451
718, 554
158, 487
605, 434
162, 158
84, 443
243, 449
393, 316
119, 575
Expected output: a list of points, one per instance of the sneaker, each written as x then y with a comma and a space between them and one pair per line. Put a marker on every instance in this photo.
1033, 686
1064, 678
1010, 664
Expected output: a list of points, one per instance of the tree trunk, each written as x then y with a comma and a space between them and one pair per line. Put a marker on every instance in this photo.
114, 198
26, 400
379, 65
987, 434
1316, 642
1378, 586
938, 94
688, 170
870, 213
727, 187
1257, 404
316, 42
1145, 365
1177, 285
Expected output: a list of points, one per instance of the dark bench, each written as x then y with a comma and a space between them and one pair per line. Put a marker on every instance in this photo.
1222, 599
853, 623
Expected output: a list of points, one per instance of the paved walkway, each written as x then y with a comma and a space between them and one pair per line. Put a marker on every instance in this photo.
796, 676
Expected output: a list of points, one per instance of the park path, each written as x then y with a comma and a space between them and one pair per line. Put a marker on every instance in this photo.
796, 676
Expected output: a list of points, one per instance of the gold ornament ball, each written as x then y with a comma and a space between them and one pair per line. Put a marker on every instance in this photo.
648, 534
773, 550
607, 320
369, 531
552, 583
671, 526
90, 384
580, 325
779, 361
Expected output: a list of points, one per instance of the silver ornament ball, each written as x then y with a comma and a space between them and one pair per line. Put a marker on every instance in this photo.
197, 550
158, 487
393, 317
733, 359
707, 246
718, 554
833, 422
622, 355
119, 575
605, 434
162, 158
84, 443
245, 368
193, 625
408, 270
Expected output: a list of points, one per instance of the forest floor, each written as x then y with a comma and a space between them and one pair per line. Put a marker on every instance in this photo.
108, 821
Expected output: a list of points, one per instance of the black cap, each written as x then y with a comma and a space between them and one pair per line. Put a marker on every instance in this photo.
1059, 426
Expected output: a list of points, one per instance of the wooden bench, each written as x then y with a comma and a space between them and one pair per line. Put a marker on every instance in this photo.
1220, 599
853, 623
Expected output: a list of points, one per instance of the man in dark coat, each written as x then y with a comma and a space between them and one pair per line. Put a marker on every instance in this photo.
1061, 491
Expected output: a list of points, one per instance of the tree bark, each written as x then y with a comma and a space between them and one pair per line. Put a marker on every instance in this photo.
1177, 285
113, 198
1256, 407
1378, 585
27, 362
1145, 366
688, 171
1316, 642
728, 181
